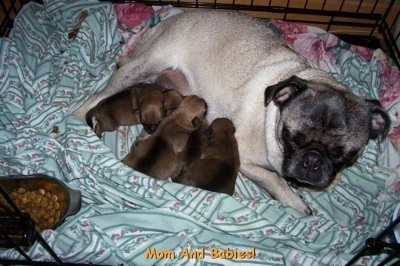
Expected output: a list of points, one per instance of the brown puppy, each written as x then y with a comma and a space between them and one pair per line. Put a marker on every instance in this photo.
197, 142
172, 98
139, 104
218, 166
157, 156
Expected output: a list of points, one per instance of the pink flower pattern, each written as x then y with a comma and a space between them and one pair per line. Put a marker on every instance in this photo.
133, 14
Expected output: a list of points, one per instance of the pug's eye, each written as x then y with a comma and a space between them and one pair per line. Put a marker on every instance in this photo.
337, 151
298, 138
352, 155
345, 158
295, 139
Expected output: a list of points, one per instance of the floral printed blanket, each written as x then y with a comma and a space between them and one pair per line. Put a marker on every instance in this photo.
61, 52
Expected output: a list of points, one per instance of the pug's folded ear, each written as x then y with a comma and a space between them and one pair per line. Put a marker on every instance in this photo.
380, 120
285, 90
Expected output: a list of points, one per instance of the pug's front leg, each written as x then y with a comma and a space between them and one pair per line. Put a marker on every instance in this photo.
275, 186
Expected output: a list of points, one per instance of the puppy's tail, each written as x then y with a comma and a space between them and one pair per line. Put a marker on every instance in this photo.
90, 116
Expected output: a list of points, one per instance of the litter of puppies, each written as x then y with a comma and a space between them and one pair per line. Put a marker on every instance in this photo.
176, 142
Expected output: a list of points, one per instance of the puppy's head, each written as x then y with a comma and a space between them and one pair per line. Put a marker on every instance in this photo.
191, 112
149, 103
221, 126
172, 99
322, 128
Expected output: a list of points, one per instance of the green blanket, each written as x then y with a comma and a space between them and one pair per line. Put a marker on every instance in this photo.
64, 51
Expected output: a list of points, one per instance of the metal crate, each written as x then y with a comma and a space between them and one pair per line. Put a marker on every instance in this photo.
370, 23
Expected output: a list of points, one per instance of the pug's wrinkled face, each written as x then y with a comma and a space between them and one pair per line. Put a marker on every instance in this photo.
322, 130
321, 134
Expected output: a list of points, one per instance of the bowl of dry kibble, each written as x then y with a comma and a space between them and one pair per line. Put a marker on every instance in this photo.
46, 199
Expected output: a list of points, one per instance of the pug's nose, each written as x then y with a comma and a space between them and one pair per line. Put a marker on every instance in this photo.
312, 160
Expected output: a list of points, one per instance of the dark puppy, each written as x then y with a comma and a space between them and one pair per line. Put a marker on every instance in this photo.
157, 156
218, 166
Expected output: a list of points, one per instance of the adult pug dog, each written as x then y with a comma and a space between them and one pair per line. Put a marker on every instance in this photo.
292, 121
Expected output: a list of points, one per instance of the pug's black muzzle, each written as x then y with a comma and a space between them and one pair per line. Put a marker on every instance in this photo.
309, 167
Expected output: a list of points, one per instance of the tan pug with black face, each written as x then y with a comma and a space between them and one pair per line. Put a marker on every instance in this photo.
158, 155
217, 166
293, 122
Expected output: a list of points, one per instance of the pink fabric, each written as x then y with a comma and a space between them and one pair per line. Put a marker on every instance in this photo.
132, 15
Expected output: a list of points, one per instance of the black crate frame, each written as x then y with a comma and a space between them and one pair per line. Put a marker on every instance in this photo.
375, 21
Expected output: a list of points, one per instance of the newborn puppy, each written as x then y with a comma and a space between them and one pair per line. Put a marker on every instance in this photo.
157, 156
172, 98
218, 166
139, 104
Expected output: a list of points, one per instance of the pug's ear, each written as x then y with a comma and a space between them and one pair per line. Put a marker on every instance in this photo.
380, 120
285, 90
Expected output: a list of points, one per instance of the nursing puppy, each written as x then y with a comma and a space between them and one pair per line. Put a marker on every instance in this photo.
293, 122
140, 104
172, 99
218, 165
158, 155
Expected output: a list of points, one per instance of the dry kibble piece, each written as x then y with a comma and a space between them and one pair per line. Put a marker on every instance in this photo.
50, 220
54, 198
24, 201
21, 190
41, 191
38, 199
43, 202
3, 201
